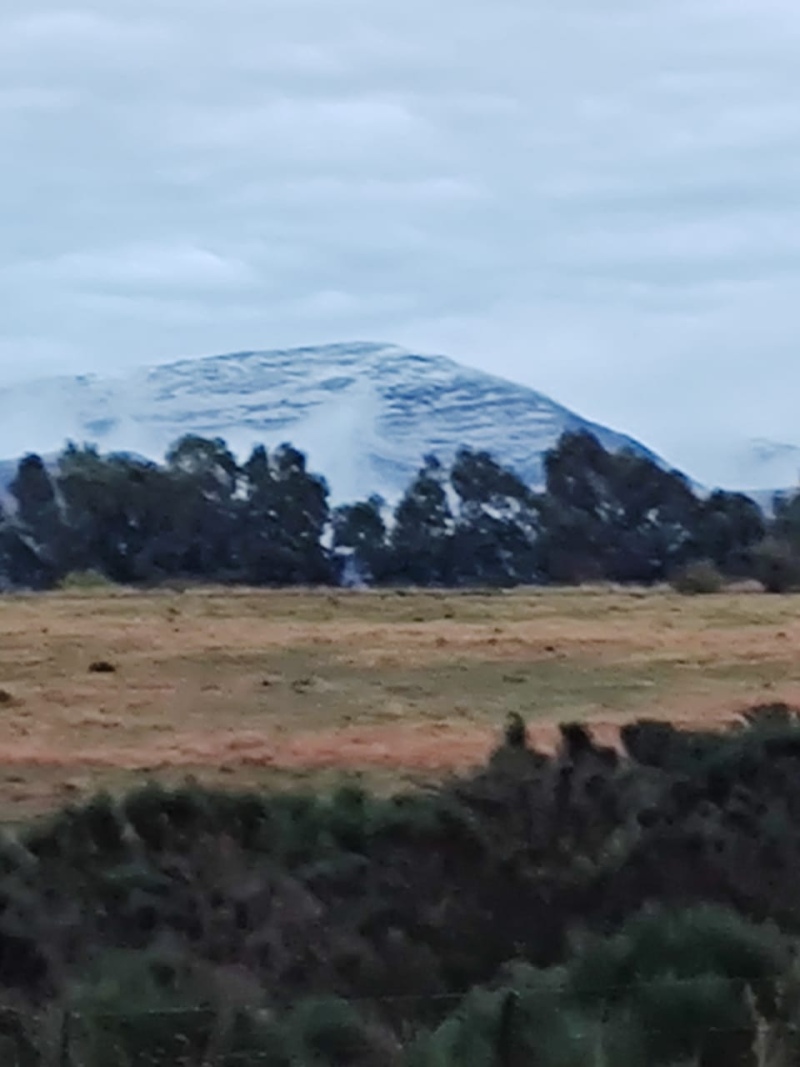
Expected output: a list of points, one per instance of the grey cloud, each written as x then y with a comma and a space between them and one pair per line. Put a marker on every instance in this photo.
136, 266
598, 197
314, 133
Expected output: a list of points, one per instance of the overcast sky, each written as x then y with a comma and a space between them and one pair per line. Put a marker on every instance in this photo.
599, 198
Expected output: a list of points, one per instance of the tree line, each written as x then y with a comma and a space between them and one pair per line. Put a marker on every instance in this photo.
201, 515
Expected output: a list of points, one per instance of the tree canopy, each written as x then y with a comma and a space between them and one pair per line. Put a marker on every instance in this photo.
203, 515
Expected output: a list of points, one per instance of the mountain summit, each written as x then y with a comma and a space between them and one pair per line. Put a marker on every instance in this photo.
365, 413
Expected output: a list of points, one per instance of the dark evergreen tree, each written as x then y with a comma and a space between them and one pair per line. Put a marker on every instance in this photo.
785, 524
24, 562
497, 523
359, 529
203, 481
118, 511
208, 462
613, 515
422, 536
284, 517
39, 517
35, 495
730, 526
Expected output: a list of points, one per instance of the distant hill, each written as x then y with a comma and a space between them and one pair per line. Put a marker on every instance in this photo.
366, 414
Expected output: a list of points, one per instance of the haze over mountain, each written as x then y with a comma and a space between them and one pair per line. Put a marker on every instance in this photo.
762, 464
365, 413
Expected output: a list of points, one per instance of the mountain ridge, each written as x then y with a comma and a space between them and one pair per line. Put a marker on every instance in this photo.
366, 413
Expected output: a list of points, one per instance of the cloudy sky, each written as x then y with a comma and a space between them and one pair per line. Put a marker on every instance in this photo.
600, 198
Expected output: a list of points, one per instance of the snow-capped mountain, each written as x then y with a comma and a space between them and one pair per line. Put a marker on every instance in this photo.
365, 414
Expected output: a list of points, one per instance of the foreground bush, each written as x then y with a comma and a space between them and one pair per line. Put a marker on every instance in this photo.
697, 579
342, 926
696, 986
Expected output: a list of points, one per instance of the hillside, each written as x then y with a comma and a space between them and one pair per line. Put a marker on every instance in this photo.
365, 413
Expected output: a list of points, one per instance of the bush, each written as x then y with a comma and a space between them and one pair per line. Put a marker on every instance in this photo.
138, 1007
516, 732
85, 581
777, 566
700, 578
778, 716
668, 987
330, 1031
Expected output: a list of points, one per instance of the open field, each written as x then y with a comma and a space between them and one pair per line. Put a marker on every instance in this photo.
241, 687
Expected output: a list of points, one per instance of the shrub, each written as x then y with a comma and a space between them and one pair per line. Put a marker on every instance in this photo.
777, 566
668, 987
330, 1031
85, 581
102, 666
778, 716
516, 732
700, 578
138, 1007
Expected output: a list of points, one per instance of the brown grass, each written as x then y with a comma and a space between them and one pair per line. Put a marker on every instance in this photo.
250, 686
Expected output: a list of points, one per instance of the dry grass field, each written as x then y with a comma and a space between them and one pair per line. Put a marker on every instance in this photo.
247, 687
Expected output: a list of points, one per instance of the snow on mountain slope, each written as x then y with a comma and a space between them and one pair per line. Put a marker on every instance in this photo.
365, 414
